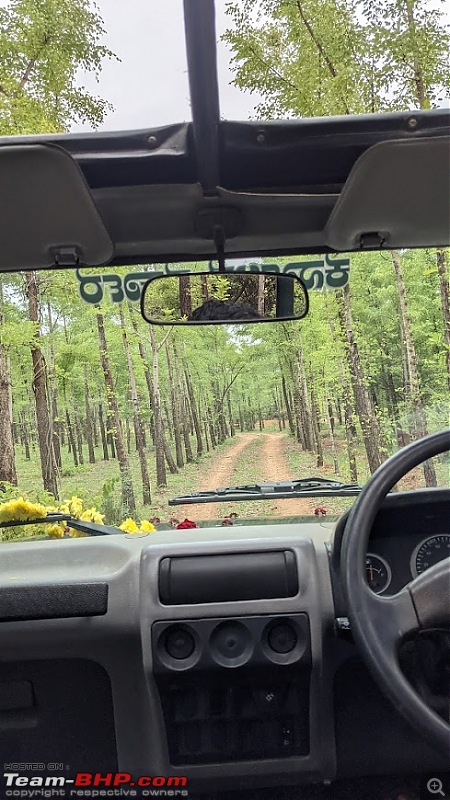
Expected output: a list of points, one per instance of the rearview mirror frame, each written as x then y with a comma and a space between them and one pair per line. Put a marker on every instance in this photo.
231, 274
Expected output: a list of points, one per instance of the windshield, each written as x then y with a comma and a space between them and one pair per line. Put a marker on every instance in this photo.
107, 418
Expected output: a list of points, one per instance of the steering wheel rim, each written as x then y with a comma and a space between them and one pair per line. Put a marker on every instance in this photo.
380, 623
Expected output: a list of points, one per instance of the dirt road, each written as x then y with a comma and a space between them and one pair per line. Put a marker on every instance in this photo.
273, 467
219, 474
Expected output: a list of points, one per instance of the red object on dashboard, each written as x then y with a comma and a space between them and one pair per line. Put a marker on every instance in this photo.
186, 524
320, 511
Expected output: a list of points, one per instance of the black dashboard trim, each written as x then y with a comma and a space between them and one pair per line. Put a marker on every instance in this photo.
395, 500
53, 601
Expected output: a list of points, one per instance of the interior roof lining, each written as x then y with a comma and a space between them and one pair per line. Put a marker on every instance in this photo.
150, 205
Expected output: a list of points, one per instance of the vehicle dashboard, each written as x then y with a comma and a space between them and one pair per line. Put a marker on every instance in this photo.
409, 535
150, 683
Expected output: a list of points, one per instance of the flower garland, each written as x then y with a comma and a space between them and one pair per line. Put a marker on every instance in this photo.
21, 510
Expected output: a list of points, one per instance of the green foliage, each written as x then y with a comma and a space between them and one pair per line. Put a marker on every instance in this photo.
110, 502
43, 44
322, 57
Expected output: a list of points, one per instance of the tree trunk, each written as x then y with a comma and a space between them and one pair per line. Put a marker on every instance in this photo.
103, 433
184, 410
442, 266
148, 379
128, 500
94, 428
327, 406
421, 425
417, 69
128, 435
54, 424
26, 441
288, 407
305, 410
169, 457
364, 407
185, 296
204, 284
78, 428
87, 407
138, 432
161, 476
176, 410
316, 429
261, 285
7, 454
71, 439
277, 408
217, 413
205, 428
212, 433
186, 434
39, 384
110, 433
194, 412
350, 433
230, 416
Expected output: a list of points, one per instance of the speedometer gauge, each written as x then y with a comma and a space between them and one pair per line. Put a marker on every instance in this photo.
378, 573
430, 552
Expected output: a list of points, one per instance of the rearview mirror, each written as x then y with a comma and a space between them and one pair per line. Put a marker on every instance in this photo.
226, 298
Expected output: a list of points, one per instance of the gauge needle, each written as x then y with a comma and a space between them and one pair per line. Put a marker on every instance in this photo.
371, 573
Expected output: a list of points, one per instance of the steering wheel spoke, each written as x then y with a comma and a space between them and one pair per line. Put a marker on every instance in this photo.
430, 593
393, 618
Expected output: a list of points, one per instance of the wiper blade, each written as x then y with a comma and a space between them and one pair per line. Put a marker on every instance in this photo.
91, 528
302, 487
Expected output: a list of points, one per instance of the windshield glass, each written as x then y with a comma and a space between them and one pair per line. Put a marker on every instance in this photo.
106, 418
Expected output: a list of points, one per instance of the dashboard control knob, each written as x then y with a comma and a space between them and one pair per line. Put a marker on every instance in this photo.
179, 643
231, 643
282, 638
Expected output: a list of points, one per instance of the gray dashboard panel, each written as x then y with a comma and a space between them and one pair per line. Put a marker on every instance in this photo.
120, 640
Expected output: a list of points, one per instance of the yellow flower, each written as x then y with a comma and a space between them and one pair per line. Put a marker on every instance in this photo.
76, 506
55, 531
64, 509
92, 515
129, 526
20, 510
77, 534
147, 527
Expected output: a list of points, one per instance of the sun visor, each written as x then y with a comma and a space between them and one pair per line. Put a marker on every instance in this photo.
47, 214
396, 195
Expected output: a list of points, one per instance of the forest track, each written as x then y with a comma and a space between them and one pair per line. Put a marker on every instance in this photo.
273, 467
219, 474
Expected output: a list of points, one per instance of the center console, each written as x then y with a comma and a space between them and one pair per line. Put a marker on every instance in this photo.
234, 689
232, 647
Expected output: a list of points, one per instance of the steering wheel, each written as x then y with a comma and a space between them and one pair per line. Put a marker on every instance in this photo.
380, 623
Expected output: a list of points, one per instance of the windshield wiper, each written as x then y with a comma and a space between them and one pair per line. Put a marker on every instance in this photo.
303, 487
91, 528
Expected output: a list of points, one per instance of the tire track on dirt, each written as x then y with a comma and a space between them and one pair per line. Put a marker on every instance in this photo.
273, 467
219, 474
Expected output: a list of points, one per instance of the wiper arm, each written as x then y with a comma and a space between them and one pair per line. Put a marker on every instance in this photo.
91, 528
302, 487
